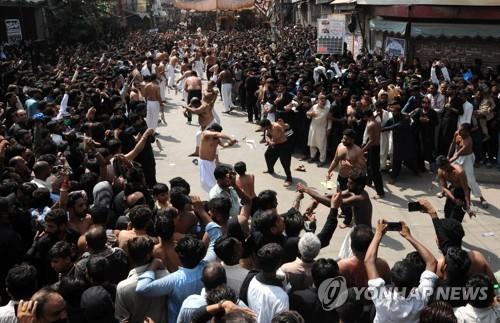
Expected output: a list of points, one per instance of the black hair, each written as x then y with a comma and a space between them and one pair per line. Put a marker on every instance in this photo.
191, 251
159, 188
240, 168
269, 257
486, 294
139, 248
288, 317
99, 270
165, 227
140, 216
73, 197
224, 248
219, 294
178, 199
41, 197
352, 309
404, 275
349, 133
264, 221
267, 200
322, 269
441, 161
457, 266
438, 312
99, 215
417, 261
453, 233
21, 281
221, 171
264, 123
361, 237
60, 249
180, 182
215, 127
57, 216
294, 223
221, 205
214, 275
71, 290
114, 145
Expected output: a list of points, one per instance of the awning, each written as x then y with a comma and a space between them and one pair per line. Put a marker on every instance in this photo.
454, 30
388, 26
334, 2
430, 2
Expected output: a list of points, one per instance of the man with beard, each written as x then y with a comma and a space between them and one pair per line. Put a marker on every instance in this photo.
153, 97
426, 120
403, 148
457, 192
56, 229
372, 148
20, 119
227, 79
79, 220
278, 147
349, 157
251, 87
355, 198
453, 108
338, 118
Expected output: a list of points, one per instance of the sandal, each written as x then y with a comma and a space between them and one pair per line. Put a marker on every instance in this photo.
301, 168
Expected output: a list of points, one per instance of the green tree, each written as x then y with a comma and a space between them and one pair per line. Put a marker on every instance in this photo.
80, 20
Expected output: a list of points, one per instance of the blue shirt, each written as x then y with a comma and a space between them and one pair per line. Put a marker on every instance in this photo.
182, 283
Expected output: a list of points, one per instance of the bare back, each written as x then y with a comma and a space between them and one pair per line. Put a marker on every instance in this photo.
208, 145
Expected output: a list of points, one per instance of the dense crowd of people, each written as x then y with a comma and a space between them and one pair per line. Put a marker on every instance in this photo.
87, 234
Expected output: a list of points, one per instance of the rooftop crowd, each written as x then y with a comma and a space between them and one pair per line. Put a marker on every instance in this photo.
88, 234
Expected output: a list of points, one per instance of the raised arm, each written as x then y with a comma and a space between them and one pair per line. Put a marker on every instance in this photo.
371, 253
323, 199
429, 259
139, 146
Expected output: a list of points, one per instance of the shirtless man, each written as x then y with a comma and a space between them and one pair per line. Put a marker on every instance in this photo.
153, 100
172, 65
205, 117
246, 183
160, 70
210, 139
461, 153
278, 146
351, 158
227, 80
210, 61
450, 234
192, 86
457, 192
210, 95
371, 147
168, 237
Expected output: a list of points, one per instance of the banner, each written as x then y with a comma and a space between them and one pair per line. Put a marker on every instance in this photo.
211, 5
331, 34
395, 47
13, 28
263, 6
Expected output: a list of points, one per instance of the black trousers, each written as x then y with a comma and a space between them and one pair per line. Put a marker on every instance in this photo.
284, 153
252, 109
398, 162
192, 94
374, 169
452, 210
346, 210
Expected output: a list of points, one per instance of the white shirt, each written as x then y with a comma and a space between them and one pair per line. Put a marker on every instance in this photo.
266, 300
466, 117
42, 184
470, 314
317, 71
437, 101
393, 307
235, 276
7, 313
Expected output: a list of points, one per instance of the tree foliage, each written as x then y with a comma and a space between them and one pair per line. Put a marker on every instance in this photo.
80, 20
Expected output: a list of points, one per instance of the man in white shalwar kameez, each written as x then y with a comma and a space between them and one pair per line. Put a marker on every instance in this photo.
319, 129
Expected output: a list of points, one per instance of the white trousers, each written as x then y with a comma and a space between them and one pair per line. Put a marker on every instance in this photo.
226, 96
153, 114
207, 178
467, 163
322, 152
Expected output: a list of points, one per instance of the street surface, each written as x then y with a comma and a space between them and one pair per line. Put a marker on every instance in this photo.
178, 140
